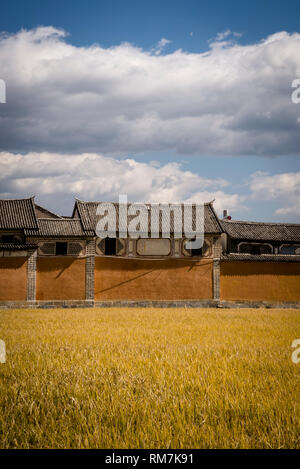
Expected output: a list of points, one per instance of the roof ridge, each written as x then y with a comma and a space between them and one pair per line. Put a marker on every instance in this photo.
15, 200
79, 200
145, 203
43, 209
216, 216
59, 219
247, 222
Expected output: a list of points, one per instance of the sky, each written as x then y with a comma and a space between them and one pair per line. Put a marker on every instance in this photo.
164, 101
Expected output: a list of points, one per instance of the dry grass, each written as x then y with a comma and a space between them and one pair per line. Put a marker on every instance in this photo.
149, 378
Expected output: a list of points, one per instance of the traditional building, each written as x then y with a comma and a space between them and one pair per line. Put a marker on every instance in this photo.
260, 261
47, 260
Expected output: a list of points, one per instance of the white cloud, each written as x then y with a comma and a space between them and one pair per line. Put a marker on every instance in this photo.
223, 35
161, 45
224, 39
223, 200
282, 188
230, 100
57, 177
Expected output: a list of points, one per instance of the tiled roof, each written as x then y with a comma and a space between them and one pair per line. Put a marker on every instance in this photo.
60, 227
261, 257
18, 214
42, 212
250, 230
17, 247
87, 213
211, 220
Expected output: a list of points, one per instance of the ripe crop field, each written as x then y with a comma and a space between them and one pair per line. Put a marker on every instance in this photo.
149, 378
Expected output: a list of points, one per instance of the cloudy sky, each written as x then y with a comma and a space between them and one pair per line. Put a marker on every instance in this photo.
164, 101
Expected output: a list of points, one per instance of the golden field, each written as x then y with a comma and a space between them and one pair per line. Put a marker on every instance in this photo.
149, 378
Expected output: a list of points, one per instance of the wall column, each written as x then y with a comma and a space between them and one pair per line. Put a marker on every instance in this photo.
216, 279
90, 270
31, 275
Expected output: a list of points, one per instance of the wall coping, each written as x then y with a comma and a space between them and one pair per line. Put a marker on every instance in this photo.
146, 304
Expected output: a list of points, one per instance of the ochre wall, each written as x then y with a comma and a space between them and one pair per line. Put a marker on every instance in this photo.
60, 278
130, 279
261, 281
13, 278
63, 278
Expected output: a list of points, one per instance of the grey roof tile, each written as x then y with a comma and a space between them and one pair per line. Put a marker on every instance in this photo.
17, 247
55, 227
87, 213
18, 214
42, 212
249, 230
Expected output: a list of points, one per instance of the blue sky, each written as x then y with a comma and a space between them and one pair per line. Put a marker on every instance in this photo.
193, 27
144, 22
